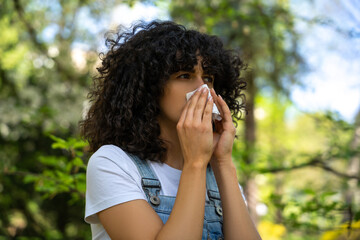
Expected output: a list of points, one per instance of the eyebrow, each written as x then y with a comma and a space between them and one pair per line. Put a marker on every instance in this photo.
193, 71
187, 70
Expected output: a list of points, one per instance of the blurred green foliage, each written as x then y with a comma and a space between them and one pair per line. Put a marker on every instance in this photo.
64, 173
301, 171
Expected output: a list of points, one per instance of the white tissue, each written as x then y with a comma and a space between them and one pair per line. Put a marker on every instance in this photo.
215, 111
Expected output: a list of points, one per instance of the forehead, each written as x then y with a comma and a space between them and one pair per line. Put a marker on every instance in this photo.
185, 59
191, 64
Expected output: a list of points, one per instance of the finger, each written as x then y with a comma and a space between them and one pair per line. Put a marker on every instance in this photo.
215, 97
191, 105
208, 111
224, 109
183, 114
185, 110
201, 104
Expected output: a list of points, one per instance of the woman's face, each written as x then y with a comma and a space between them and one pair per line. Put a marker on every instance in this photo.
173, 101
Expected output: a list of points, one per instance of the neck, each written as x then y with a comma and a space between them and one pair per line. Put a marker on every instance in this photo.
173, 156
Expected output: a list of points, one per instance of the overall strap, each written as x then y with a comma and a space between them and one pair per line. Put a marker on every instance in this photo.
149, 182
212, 190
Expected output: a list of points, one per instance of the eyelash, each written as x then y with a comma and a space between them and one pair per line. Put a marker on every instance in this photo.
210, 78
186, 75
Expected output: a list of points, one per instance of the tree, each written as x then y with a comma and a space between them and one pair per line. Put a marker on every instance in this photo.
49, 51
48, 54
264, 35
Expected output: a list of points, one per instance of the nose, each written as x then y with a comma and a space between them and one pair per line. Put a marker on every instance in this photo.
199, 80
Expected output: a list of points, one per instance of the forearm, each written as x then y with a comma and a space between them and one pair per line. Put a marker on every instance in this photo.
237, 221
187, 216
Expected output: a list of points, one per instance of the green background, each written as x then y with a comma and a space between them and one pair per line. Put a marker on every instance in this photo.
300, 173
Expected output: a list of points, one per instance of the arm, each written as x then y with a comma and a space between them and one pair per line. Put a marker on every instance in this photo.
237, 221
137, 220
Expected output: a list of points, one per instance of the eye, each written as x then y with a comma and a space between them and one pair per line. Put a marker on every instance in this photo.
208, 79
184, 76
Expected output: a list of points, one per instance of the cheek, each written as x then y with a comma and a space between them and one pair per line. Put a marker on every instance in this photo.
172, 104
177, 103
174, 99
176, 96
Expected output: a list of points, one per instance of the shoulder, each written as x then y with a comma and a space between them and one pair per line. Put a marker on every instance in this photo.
113, 157
111, 178
110, 152
111, 162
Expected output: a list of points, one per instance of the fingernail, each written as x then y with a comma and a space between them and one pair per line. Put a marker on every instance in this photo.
204, 90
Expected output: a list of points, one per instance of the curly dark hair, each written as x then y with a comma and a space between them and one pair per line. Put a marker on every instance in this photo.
125, 97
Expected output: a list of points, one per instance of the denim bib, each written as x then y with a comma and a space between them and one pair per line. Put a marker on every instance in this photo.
213, 221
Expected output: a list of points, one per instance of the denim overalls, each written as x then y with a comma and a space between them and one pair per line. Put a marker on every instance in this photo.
163, 205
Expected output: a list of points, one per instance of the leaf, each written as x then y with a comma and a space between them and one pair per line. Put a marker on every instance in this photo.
59, 143
79, 144
78, 162
357, 216
30, 178
309, 191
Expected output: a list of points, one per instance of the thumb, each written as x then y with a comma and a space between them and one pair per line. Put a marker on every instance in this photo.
216, 137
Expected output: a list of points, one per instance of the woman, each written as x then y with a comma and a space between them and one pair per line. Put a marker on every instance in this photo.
150, 175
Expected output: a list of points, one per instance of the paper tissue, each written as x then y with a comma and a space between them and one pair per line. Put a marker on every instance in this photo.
215, 111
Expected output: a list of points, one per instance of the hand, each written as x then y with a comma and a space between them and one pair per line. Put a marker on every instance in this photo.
225, 133
195, 129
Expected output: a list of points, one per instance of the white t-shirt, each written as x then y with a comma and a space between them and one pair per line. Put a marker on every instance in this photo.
113, 178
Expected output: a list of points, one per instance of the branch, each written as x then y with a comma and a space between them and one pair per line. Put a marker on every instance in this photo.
31, 31
323, 21
23, 174
282, 169
316, 162
72, 21
337, 173
42, 47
